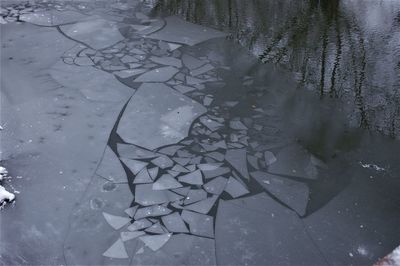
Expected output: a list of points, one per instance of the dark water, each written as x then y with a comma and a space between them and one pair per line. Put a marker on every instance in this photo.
346, 52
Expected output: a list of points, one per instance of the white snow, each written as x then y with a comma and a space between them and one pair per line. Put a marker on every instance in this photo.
5, 196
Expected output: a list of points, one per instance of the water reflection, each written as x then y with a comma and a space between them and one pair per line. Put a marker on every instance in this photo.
346, 49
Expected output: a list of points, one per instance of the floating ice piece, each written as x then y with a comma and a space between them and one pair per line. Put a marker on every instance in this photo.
183, 88
146, 196
166, 181
97, 33
201, 70
150, 124
155, 242
193, 178
131, 211
253, 161
110, 167
216, 172
210, 124
126, 236
230, 103
194, 81
153, 172
155, 25
116, 222
216, 186
151, 211
216, 155
143, 177
199, 224
237, 125
179, 169
116, 251
52, 17
293, 193
156, 228
235, 188
195, 195
127, 73
161, 74
237, 158
182, 191
294, 161
269, 158
134, 165
203, 206
163, 162
134, 152
170, 150
192, 62
173, 46
83, 61
172, 197
128, 59
174, 223
180, 31
207, 100
209, 166
139, 225
182, 161
139, 27
141, 16
167, 60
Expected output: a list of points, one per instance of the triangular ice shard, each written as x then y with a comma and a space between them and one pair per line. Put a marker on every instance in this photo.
155, 242
116, 222
116, 251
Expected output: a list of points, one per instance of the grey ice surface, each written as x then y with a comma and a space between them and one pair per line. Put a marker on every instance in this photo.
145, 195
180, 31
53, 17
56, 137
193, 178
161, 74
134, 165
166, 181
293, 193
143, 177
174, 223
235, 188
293, 161
99, 86
237, 159
150, 124
243, 224
116, 222
110, 167
169, 61
97, 33
179, 249
199, 224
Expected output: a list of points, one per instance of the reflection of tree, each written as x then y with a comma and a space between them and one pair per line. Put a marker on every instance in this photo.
321, 41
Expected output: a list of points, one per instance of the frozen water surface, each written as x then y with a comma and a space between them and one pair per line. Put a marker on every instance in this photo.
147, 140
53, 17
180, 31
147, 123
97, 33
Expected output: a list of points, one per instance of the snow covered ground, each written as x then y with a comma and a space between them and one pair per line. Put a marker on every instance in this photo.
5, 196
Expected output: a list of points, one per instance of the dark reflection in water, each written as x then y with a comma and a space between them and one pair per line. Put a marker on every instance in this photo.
346, 50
